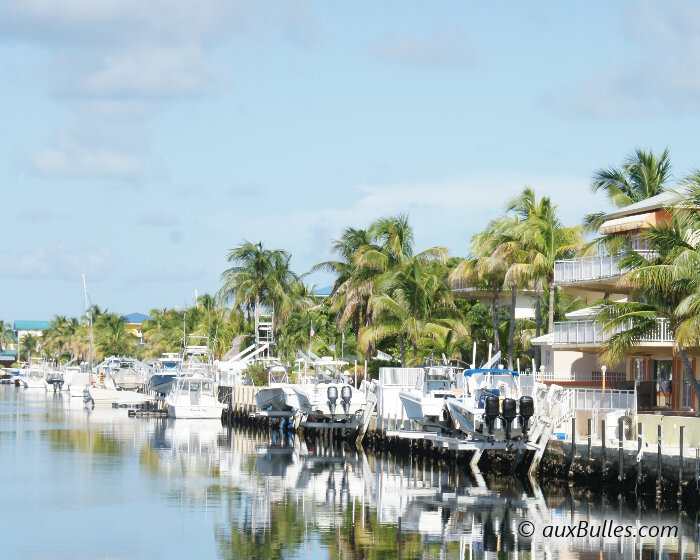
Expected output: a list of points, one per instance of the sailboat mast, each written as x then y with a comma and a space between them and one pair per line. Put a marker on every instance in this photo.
88, 311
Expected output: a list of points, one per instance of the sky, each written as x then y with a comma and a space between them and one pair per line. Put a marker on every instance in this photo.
141, 141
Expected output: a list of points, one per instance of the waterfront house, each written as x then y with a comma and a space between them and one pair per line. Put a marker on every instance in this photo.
571, 353
134, 324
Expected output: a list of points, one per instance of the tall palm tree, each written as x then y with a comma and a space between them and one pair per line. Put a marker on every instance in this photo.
27, 346
544, 240
347, 293
642, 175
488, 264
412, 303
259, 276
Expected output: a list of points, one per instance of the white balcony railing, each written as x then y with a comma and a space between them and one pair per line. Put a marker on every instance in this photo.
591, 268
591, 332
586, 268
581, 377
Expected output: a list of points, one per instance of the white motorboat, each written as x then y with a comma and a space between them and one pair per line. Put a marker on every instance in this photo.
492, 406
193, 396
107, 397
330, 401
130, 374
425, 403
167, 368
34, 375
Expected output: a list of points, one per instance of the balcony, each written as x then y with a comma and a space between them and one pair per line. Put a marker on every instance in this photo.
580, 377
591, 269
587, 269
590, 333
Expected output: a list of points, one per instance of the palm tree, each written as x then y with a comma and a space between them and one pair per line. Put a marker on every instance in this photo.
493, 251
28, 344
112, 336
544, 240
346, 294
412, 304
6, 334
641, 176
259, 277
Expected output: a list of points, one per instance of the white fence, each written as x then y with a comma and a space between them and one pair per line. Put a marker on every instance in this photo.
586, 268
591, 332
592, 268
584, 377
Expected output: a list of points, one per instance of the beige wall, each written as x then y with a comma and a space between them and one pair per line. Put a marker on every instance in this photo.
670, 429
571, 361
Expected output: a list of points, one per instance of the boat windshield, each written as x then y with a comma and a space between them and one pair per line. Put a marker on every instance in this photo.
170, 364
197, 386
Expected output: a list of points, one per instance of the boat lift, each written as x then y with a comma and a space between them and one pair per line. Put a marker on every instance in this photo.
537, 441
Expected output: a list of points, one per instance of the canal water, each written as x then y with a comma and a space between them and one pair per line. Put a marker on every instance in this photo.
98, 484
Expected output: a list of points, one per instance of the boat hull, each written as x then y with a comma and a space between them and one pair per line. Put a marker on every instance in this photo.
107, 397
161, 382
200, 412
313, 402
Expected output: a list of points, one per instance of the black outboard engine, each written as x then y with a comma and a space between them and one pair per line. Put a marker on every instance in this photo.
346, 397
491, 412
508, 414
332, 398
527, 411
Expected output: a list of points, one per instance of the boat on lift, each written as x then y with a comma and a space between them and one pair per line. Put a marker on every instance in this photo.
425, 403
167, 368
492, 406
103, 390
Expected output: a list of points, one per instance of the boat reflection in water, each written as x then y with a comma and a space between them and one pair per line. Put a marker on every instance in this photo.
254, 494
288, 497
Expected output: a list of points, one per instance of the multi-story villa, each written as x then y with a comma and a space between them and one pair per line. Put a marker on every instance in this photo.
571, 354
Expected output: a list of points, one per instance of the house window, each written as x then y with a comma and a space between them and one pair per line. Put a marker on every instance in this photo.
661, 371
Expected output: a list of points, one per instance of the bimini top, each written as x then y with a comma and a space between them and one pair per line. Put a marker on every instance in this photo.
470, 372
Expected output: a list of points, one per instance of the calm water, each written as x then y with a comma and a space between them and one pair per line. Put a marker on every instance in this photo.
97, 484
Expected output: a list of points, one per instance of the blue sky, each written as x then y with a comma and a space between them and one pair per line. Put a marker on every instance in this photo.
140, 141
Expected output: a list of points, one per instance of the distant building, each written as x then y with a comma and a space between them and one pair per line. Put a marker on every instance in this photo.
23, 328
134, 324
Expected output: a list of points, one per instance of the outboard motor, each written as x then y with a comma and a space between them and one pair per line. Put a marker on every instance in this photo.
491, 412
332, 398
527, 411
346, 397
508, 414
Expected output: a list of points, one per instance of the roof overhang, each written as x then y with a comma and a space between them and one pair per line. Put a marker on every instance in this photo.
628, 223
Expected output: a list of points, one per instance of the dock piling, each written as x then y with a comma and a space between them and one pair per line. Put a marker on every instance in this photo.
590, 424
620, 443
640, 454
658, 456
602, 440
680, 458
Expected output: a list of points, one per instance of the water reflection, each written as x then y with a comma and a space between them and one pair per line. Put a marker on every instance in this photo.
272, 495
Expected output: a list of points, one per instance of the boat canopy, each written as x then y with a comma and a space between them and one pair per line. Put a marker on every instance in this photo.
470, 372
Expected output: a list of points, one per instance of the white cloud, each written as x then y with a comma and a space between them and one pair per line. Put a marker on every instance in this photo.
443, 48
149, 72
112, 61
72, 159
442, 213
59, 262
